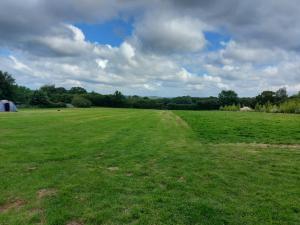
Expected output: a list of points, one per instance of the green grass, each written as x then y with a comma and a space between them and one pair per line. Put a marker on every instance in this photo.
125, 166
236, 127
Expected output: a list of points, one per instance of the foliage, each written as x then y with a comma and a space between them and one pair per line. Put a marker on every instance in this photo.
230, 108
182, 100
173, 106
145, 103
265, 97
7, 83
268, 107
57, 94
40, 98
291, 106
210, 103
247, 101
228, 97
271, 97
22, 95
281, 95
118, 99
81, 102
77, 90
96, 99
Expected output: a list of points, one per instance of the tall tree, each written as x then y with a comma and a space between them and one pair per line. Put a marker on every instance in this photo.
118, 99
281, 95
7, 83
22, 94
77, 90
39, 98
228, 97
265, 97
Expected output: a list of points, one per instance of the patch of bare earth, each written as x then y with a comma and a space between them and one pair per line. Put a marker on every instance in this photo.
32, 168
181, 179
113, 168
46, 192
15, 204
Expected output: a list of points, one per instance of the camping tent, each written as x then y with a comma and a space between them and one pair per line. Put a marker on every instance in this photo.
7, 106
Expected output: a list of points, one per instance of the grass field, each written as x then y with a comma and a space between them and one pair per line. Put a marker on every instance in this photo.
126, 166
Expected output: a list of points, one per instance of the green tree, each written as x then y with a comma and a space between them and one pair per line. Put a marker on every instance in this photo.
7, 83
77, 90
81, 102
118, 99
281, 95
40, 98
57, 94
22, 94
228, 98
182, 100
265, 97
48, 89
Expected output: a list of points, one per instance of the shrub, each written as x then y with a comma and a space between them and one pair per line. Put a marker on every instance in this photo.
258, 108
230, 107
291, 106
81, 102
268, 108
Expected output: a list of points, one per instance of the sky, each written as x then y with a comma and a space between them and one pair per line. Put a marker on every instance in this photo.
153, 48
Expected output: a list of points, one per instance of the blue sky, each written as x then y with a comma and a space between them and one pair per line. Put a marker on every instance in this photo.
215, 40
113, 32
4, 52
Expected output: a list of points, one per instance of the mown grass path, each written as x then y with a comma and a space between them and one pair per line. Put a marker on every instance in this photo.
124, 166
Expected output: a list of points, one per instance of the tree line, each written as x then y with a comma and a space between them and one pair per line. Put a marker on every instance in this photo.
51, 96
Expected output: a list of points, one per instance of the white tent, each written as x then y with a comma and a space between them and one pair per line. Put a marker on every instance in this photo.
7, 106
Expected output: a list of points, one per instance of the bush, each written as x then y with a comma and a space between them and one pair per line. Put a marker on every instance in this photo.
81, 102
268, 108
291, 106
230, 108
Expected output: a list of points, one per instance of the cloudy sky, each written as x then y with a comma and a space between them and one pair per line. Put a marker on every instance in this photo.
153, 48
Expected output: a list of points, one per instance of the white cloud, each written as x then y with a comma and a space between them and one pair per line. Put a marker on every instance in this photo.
19, 65
78, 34
102, 63
170, 34
127, 50
271, 70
